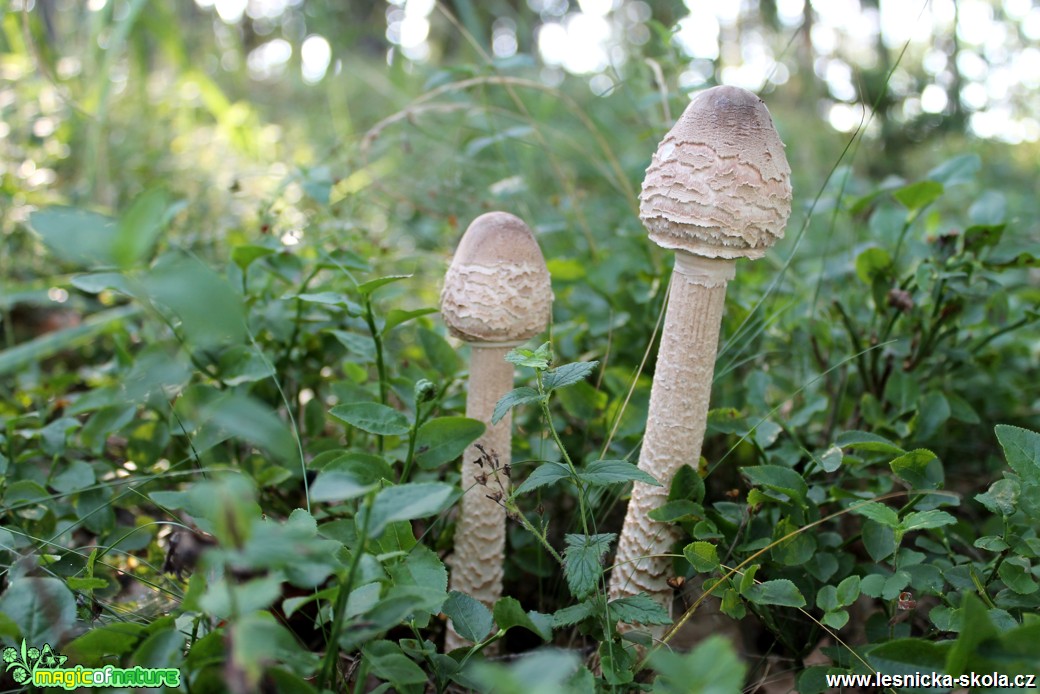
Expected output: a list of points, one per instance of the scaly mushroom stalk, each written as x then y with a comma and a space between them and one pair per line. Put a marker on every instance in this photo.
718, 188
497, 295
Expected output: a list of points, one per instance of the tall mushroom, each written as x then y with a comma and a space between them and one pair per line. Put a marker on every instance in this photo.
496, 296
717, 189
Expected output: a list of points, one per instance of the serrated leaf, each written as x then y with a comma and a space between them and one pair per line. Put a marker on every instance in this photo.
444, 439
780, 592
372, 417
572, 614
567, 374
704, 556
518, 396
583, 561
606, 472
1022, 451
879, 513
836, 619
471, 620
638, 609
544, 475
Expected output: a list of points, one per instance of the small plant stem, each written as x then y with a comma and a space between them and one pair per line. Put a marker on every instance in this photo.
861, 360
377, 339
544, 402
409, 459
291, 342
339, 610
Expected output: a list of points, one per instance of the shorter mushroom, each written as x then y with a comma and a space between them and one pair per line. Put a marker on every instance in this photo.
496, 296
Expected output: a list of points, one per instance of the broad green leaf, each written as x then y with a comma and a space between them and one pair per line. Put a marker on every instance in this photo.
210, 312
879, 539
42, 608
872, 585
687, 484
408, 502
933, 410
865, 441
958, 169
779, 479
606, 472
519, 396
439, 353
243, 364
776, 592
713, 667
77, 236
471, 620
508, 614
831, 459
92, 648
638, 609
827, 598
538, 359
444, 439
573, 614
918, 195
1001, 497
373, 418
422, 568
848, 590
920, 468
704, 556
359, 345
924, 520
366, 288
583, 561
835, 619
139, 227
567, 374
672, 511
396, 317
1022, 451
885, 515
873, 264
258, 639
1017, 577
243, 256
908, 656
975, 628
544, 475
798, 548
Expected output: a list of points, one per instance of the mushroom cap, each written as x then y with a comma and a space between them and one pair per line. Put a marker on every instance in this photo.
497, 288
719, 184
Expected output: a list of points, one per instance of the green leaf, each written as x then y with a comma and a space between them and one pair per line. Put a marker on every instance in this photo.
836, 619
94, 647
471, 620
933, 410
975, 628
438, 352
407, 502
366, 288
388, 662
777, 592
241, 364
567, 374
873, 264
687, 484
908, 656
848, 590
831, 459
704, 556
1017, 577
959, 169
508, 614
638, 609
519, 396
210, 312
43, 609
827, 598
879, 513
544, 475
779, 479
582, 561
918, 195
76, 236
538, 359
602, 473
879, 539
372, 417
924, 520
920, 469
396, 317
1001, 497
865, 441
573, 614
139, 227
713, 667
422, 568
672, 511
444, 439
1022, 451
243, 256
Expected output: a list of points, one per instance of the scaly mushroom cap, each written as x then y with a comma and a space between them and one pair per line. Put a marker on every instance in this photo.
719, 184
497, 288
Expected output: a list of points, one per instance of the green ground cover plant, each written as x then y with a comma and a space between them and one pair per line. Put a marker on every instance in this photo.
231, 418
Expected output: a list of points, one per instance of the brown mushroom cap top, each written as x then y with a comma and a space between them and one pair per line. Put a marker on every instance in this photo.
719, 184
497, 288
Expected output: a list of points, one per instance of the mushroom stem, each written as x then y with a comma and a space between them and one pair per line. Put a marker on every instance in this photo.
676, 420
479, 534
